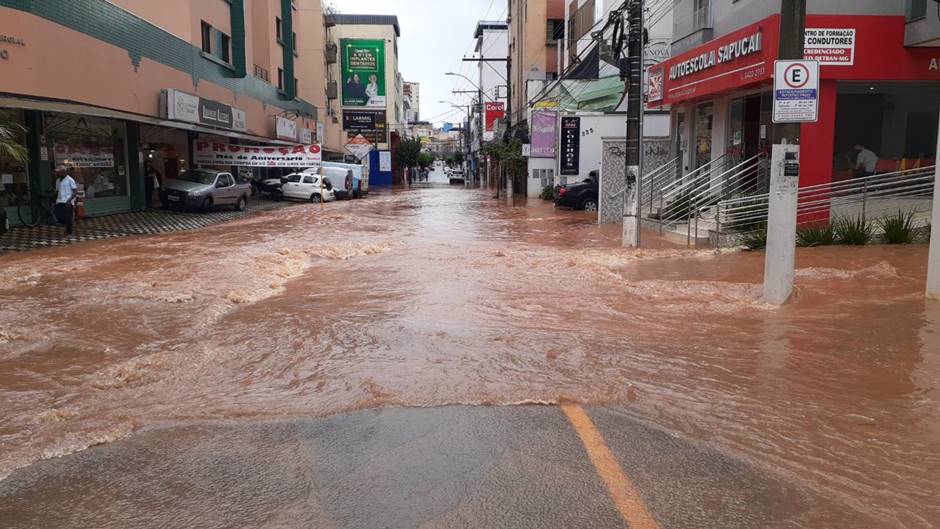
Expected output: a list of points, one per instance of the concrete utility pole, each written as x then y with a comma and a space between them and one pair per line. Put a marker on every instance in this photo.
933, 265
780, 258
632, 211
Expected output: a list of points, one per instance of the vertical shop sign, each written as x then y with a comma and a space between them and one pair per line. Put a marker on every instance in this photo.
570, 145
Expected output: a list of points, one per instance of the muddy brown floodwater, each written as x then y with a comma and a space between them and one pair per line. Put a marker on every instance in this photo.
437, 296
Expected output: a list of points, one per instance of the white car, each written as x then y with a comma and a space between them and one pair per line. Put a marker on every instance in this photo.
308, 186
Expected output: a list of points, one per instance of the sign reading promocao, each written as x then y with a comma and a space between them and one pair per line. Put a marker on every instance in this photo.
300, 156
194, 109
570, 145
363, 70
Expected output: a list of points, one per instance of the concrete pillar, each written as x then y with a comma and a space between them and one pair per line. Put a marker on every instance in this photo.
933, 266
780, 258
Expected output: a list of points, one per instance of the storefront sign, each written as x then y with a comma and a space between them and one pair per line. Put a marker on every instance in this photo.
361, 120
493, 111
830, 46
221, 154
934, 64
654, 81
741, 58
796, 92
194, 109
570, 145
102, 158
363, 71
306, 136
544, 132
285, 128
8, 40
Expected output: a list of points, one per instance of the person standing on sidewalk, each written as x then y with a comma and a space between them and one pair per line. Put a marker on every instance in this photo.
151, 183
66, 189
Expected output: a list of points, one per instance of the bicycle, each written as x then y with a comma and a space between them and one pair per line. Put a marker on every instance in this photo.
32, 213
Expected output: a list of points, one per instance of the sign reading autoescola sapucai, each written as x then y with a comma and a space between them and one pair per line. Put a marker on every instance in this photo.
570, 145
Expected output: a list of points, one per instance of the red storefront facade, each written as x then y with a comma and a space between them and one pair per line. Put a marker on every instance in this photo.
874, 91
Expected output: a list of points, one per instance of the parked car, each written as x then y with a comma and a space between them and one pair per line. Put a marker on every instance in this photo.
581, 195
204, 190
359, 184
456, 177
312, 186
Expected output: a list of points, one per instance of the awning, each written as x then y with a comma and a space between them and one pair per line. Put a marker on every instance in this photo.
49, 105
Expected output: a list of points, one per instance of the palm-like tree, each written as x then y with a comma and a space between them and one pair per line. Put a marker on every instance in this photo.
10, 147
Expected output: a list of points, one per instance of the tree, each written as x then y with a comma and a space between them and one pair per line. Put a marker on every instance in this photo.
408, 153
10, 147
456, 158
425, 160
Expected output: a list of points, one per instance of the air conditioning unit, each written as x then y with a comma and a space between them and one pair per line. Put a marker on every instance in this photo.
332, 90
331, 53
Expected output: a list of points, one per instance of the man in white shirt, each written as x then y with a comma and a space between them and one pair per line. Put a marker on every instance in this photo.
66, 189
865, 162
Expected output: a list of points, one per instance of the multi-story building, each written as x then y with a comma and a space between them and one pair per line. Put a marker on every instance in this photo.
412, 96
491, 82
879, 87
110, 87
365, 83
536, 28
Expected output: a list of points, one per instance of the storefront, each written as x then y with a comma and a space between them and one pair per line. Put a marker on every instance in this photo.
874, 92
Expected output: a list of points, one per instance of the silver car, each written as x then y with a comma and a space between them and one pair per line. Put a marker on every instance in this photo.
204, 190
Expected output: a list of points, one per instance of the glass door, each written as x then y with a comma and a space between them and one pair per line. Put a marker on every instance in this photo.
704, 118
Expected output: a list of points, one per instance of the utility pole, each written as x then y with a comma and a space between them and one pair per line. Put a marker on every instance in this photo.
780, 256
933, 264
632, 212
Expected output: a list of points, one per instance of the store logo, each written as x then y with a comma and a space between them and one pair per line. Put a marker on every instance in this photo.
725, 53
11, 41
934, 64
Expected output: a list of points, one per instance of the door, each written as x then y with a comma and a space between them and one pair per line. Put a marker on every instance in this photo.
310, 185
225, 189
682, 142
292, 187
704, 119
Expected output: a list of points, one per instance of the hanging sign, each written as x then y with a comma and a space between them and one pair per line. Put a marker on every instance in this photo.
222, 154
570, 145
796, 91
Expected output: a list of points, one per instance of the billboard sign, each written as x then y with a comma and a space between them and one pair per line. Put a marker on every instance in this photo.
223, 154
570, 145
363, 71
494, 110
544, 132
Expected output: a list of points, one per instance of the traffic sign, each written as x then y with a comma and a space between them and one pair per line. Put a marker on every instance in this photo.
796, 91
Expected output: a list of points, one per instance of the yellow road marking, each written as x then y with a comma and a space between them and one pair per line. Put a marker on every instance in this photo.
621, 489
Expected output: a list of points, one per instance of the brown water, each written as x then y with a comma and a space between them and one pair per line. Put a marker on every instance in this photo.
440, 295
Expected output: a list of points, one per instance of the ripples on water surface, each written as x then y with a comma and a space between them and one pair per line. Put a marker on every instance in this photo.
442, 295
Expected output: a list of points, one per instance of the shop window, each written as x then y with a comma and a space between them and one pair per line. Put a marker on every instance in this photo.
896, 121
14, 178
95, 148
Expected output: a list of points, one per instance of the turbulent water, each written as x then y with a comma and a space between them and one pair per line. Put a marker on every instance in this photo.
438, 295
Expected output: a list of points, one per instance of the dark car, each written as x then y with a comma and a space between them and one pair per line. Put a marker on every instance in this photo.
582, 195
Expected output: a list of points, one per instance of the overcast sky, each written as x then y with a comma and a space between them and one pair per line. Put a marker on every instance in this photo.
435, 35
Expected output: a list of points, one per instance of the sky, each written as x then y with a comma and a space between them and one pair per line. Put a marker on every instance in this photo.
435, 35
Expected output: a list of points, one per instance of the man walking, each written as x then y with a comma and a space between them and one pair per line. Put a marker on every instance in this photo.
65, 198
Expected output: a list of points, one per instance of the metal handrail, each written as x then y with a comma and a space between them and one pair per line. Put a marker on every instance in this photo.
752, 211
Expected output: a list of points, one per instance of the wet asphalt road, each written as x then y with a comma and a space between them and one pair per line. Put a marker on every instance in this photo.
447, 467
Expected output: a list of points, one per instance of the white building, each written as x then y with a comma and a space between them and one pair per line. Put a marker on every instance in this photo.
492, 42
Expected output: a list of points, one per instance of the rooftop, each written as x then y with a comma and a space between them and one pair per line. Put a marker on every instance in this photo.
484, 25
366, 20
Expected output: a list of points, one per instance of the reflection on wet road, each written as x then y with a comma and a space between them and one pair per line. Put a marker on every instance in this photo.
442, 295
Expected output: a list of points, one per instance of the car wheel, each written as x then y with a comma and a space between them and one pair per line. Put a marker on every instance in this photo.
241, 204
589, 205
206, 206
315, 198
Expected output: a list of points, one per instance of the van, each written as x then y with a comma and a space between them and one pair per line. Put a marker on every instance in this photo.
360, 182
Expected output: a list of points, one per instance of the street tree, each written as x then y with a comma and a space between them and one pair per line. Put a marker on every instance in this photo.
408, 153
10, 133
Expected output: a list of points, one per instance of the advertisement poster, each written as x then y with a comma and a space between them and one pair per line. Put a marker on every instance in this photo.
385, 161
495, 110
363, 71
544, 131
223, 154
570, 145
830, 46
101, 158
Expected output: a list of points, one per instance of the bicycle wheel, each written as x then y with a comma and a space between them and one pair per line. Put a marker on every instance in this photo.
30, 214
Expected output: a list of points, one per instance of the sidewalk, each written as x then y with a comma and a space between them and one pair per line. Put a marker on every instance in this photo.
147, 222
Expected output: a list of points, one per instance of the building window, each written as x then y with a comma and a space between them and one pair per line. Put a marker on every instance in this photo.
555, 30
294, 42
280, 79
226, 47
206, 37
701, 14
296, 86
262, 74
279, 29
916, 9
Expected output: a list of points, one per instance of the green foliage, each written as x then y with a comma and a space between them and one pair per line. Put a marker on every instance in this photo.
821, 235
898, 228
10, 147
507, 155
408, 153
548, 193
425, 160
458, 158
755, 240
853, 231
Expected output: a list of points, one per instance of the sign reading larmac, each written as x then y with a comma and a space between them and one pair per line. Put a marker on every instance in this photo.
194, 109
358, 120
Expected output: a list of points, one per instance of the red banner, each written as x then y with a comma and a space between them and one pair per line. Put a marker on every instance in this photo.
494, 111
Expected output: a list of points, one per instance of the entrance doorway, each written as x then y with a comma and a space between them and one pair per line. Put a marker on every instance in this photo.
744, 128
704, 118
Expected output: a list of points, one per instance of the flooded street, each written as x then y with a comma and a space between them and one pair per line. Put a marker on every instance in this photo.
437, 295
